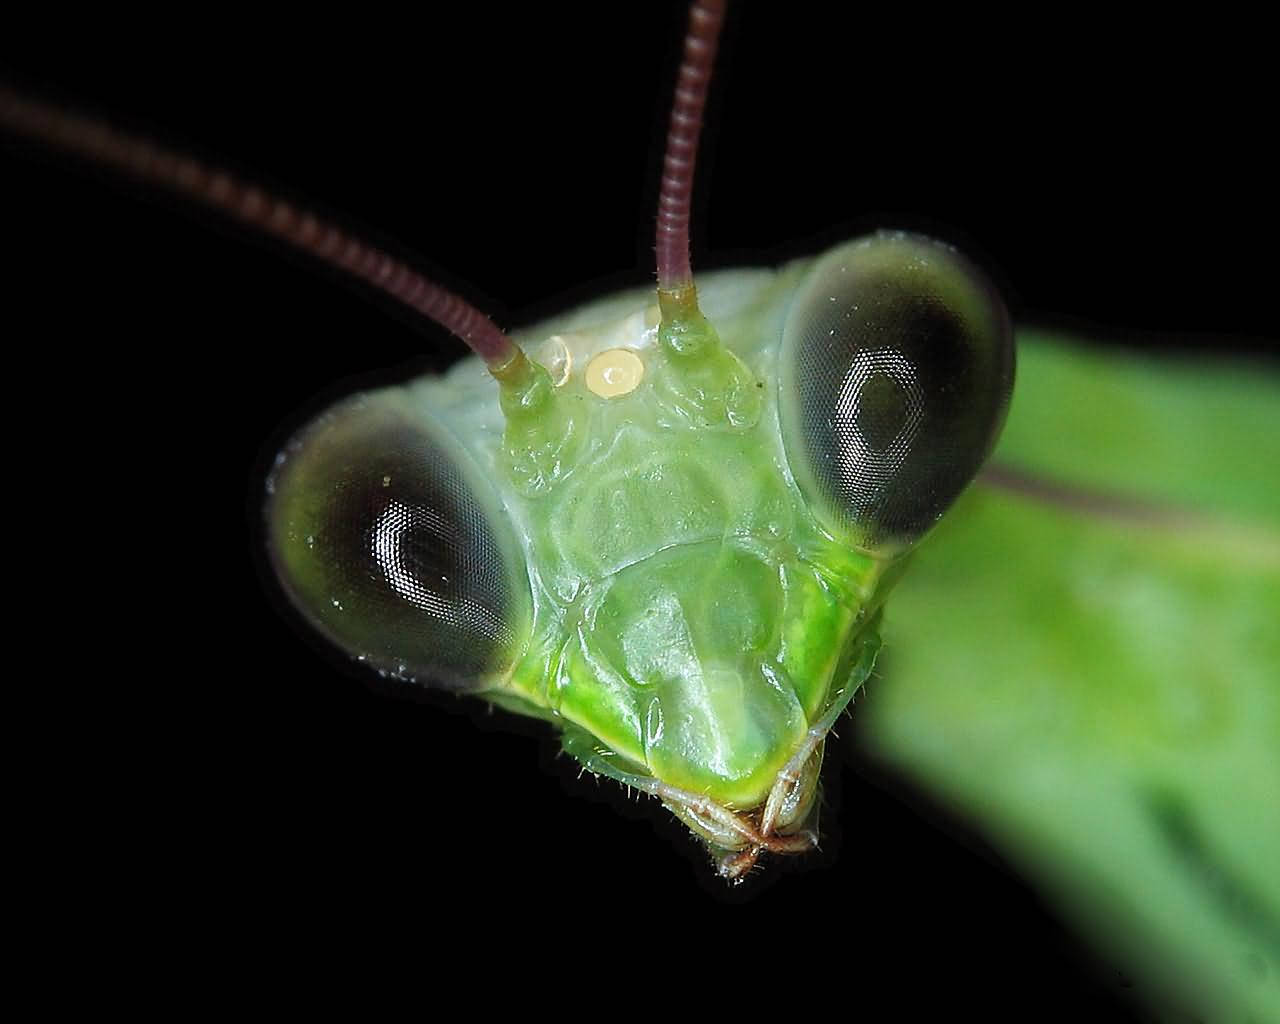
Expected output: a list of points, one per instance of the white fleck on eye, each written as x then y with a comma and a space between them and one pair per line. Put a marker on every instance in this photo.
878, 414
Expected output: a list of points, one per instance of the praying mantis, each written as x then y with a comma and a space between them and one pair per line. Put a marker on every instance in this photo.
300, 370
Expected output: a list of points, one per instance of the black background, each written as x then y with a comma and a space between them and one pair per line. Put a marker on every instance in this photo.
1112, 177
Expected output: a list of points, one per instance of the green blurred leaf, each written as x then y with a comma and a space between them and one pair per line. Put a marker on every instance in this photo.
1085, 659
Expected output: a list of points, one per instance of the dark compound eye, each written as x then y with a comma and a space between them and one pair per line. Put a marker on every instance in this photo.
389, 541
896, 371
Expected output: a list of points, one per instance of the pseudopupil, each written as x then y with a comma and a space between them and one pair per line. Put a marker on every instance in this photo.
409, 543
879, 403
876, 419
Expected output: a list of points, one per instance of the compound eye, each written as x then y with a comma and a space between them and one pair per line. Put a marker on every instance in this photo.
390, 543
895, 375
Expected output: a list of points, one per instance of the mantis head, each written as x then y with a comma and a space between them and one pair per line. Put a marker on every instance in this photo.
669, 532
672, 539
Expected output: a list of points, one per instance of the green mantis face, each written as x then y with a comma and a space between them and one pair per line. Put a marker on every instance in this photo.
673, 541
670, 535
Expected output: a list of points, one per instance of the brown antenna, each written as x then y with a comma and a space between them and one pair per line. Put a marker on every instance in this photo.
95, 140
675, 275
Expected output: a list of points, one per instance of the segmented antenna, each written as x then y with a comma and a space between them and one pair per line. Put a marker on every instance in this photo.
140, 158
706, 18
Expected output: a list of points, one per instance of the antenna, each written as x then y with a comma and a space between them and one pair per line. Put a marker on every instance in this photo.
675, 276
95, 140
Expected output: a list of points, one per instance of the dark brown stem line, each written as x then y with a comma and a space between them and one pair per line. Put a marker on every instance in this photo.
705, 21
98, 142
1095, 503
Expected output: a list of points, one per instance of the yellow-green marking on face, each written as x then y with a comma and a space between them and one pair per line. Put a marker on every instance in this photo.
615, 372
